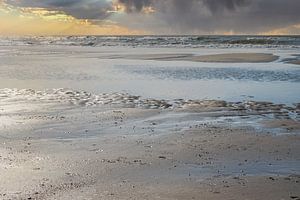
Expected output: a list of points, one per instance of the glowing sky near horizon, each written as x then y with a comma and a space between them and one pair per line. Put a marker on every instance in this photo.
115, 17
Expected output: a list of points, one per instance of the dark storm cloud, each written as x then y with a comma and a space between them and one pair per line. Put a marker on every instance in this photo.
136, 5
183, 16
217, 5
81, 9
213, 5
192, 16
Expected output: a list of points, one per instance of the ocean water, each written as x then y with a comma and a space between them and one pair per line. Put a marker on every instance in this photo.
160, 41
82, 64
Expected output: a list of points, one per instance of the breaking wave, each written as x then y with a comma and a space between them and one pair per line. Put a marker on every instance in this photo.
160, 41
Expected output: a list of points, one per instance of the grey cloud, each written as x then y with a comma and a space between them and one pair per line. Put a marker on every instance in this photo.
217, 5
209, 16
213, 5
136, 5
81, 9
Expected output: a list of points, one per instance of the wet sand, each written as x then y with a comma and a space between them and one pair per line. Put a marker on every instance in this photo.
287, 123
205, 162
216, 58
295, 62
57, 150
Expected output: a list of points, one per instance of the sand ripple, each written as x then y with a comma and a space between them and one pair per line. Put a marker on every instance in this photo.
83, 98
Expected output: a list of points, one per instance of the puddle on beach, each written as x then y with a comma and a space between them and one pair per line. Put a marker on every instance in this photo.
84, 70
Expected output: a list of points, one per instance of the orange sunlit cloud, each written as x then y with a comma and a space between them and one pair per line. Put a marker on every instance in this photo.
290, 30
40, 21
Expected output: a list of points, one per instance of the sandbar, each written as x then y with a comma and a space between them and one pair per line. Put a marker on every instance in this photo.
214, 58
237, 58
295, 62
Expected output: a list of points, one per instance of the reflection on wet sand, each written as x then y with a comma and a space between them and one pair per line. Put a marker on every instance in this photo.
54, 147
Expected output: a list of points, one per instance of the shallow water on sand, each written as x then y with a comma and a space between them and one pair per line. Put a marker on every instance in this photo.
82, 68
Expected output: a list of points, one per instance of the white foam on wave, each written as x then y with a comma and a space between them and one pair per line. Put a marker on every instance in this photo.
287, 42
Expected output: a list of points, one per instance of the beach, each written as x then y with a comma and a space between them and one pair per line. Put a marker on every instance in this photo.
57, 153
115, 122
146, 154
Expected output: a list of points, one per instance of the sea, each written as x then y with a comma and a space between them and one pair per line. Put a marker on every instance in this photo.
186, 41
84, 63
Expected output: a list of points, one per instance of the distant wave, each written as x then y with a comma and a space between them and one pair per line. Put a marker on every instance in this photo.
160, 41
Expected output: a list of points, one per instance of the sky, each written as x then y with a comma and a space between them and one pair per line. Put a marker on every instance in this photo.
162, 17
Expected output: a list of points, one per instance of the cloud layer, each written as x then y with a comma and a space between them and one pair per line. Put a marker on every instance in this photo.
182, 16
209, 16
135, 5
81, 9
